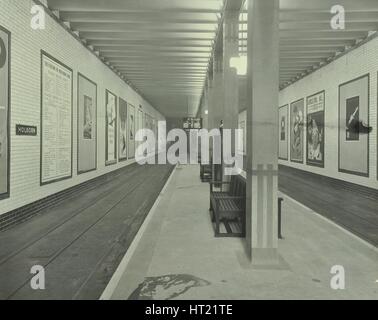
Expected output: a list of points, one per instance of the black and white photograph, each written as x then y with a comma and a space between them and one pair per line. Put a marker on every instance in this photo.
189, 159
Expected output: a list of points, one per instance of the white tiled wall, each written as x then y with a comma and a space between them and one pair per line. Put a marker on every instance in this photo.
357, 63
26, 44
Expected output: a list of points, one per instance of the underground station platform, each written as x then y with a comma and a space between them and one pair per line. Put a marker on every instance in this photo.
203, 150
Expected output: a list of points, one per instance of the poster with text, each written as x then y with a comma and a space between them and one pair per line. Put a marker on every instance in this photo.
111, 128
315, 129
4, 112
122, 137
131, 129
87, 124
283, 144
56, 126
296, 131
354, 126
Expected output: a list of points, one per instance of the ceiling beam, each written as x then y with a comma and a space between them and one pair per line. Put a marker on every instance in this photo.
136, 5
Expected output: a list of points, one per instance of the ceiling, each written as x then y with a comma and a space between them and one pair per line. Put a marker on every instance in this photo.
163, 47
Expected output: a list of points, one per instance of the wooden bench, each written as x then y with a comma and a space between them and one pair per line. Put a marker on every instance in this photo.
228, 206
206, 172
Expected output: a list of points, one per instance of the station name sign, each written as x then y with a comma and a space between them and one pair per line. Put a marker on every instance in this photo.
24, 130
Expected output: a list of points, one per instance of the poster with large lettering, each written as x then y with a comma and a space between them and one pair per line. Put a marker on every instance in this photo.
315, 129
110, 128
131, 128
122, 137
56, 120
86, 125
4, 111
283, 142
296, 131
354, 126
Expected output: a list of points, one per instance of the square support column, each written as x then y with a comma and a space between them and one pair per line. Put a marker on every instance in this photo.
210, 99
231, 86
218, 97
262, 131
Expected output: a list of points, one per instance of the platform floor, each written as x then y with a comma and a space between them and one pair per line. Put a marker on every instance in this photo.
80, 241
177, 256
355, 208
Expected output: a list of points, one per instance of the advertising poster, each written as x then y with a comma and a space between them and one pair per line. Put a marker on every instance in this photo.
122, 138
352, 119
4, 112
88, 118
242, 137
353, 126
56, 120
87, 124
315, 129
296, 131
131, 128
140, 121
111, 128
283, 144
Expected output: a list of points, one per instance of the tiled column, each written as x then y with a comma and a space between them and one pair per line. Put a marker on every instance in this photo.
230, 86
218, 97
262, 130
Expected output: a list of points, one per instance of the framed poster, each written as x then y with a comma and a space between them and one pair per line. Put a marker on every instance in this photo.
4, 112
110, 128
242, 138
86, 124
296, 131
56, 120
283, 144
122, 140
315, 129
131, 129
140, 121
353, 120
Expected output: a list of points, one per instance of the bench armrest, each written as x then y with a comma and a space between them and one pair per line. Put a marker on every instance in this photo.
222, 183
219, 182
233, 198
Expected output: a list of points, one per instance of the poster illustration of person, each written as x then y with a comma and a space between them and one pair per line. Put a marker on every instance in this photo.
131, 131
297, 121
283, 129
131, 127
122, 129
87, 128
111, 121
315, 129
315, 136
352, 119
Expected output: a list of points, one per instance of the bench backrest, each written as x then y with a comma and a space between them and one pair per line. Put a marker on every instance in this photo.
237, 186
